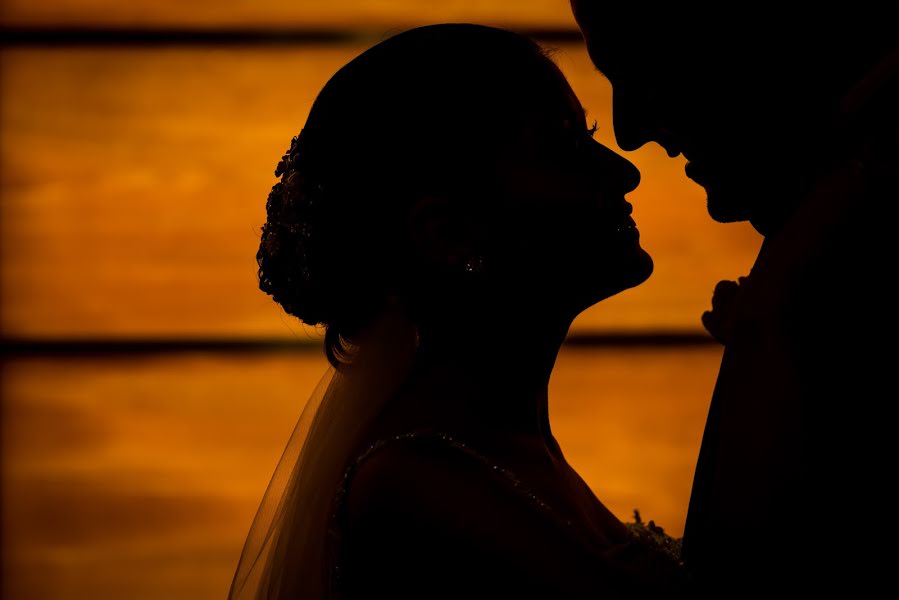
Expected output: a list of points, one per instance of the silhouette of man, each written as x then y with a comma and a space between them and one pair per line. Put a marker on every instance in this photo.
789, 122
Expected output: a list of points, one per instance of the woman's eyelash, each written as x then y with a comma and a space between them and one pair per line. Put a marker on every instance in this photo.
593, 129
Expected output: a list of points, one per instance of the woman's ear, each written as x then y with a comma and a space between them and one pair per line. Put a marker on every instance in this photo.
440, 236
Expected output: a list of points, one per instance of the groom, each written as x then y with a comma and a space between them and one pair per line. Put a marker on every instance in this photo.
791, 124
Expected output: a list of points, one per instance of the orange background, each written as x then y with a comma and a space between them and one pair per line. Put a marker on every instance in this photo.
132, 187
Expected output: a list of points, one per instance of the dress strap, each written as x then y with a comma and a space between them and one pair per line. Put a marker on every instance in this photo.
464, 449
339, 516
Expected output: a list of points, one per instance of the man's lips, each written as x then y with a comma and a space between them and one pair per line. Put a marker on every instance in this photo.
696, 172
695, 168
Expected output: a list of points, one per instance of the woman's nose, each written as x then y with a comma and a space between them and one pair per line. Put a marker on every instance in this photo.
630, 178
619, 175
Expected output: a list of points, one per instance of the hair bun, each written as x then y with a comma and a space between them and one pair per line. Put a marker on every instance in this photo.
290, 236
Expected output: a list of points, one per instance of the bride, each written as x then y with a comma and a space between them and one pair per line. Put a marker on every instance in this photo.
445, 215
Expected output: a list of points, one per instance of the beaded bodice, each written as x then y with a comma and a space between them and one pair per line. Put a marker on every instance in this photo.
643, 551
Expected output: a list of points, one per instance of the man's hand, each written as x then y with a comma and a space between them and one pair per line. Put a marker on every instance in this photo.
719, 320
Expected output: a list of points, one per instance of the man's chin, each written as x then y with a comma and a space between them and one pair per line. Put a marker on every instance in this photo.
726, 208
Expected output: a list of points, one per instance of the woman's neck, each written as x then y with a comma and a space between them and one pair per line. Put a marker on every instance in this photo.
490, 374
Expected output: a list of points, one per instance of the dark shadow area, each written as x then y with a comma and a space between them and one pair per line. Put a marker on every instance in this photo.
789, 121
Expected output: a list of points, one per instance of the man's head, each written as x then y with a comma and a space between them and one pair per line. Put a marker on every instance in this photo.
749, 98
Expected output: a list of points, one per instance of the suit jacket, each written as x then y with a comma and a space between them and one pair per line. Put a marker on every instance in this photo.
791, 491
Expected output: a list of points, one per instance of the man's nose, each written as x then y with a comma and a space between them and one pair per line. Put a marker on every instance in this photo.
632, 117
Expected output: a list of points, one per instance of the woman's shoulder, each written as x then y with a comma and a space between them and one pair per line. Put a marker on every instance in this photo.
426, 506
417, 473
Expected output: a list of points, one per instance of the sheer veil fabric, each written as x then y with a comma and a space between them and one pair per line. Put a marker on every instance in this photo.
286, 553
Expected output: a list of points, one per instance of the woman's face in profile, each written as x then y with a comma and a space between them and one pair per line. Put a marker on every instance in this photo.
564, 228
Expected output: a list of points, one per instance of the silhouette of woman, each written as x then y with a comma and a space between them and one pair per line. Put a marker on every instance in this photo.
445, 214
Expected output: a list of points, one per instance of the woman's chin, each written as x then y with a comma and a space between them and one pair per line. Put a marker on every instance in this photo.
643, 267
630, 272
632, 265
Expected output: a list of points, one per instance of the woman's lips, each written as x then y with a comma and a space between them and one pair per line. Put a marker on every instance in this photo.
618, 223
621, 228
627, 229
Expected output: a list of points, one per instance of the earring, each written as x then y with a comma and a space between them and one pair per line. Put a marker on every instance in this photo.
474, 264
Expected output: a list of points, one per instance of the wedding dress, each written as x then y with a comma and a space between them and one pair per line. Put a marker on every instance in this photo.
293, 547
